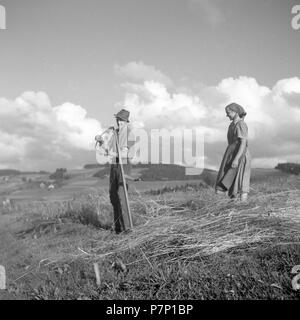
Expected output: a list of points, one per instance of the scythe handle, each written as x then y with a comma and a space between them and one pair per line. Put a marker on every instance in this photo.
123, 180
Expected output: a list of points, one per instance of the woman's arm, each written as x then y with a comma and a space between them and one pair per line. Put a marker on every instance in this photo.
242, 146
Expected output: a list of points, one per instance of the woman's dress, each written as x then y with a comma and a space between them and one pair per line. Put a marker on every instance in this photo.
236, 180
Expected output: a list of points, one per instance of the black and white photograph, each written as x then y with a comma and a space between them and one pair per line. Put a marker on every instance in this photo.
150, 151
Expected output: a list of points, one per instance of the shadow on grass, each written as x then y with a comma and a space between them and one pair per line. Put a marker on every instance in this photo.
88, 215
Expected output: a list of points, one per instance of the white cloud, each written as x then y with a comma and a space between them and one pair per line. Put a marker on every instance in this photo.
140, 71
34, 135
79, 128
273, 121
152, 105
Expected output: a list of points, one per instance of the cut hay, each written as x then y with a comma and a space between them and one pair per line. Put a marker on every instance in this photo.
220, 225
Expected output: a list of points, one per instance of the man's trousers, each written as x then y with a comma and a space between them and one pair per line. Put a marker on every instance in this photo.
117, 197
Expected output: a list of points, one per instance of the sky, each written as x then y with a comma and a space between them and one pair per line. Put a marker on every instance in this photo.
66, 66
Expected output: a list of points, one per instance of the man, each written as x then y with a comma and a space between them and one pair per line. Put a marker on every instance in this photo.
116, 187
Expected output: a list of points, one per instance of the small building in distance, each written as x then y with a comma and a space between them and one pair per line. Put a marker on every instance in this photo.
42, 185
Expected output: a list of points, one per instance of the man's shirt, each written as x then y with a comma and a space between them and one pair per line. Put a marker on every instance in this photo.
108, 151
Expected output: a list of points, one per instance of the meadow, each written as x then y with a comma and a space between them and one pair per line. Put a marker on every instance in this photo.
187, 242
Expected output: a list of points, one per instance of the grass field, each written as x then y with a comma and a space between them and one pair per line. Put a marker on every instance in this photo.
185, 245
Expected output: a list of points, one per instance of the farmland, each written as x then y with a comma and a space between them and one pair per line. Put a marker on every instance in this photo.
187, 242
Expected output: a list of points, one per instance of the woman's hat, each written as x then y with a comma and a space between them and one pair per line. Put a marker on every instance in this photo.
123, 115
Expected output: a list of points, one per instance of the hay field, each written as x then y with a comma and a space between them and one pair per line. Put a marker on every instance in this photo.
186, 244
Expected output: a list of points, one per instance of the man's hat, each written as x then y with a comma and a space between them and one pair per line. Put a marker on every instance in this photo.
123, 115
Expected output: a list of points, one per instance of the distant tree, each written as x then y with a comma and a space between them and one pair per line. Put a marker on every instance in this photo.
293, 168
59, 174
93, 166
9, 172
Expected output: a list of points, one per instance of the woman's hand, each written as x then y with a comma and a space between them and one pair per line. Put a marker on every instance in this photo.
234, 164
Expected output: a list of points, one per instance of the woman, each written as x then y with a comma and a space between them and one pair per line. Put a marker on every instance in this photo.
234, 172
